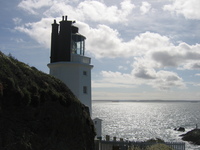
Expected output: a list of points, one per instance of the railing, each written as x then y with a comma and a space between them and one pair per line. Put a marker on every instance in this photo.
176, 146
129, 145
80, 59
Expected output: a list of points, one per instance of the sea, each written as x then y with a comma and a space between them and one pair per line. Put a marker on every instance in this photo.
140, 121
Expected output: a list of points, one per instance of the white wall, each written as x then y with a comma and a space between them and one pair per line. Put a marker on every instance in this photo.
98, 127
71, 73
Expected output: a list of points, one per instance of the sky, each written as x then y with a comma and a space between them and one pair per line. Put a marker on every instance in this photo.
141, 50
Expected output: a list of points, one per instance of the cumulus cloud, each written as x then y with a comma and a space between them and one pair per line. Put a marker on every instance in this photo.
183, 55
195, 65
144, 73
145, 8
39, 31
160, 80
152, 53
167, 80
114, 79
97, 11
86, 10
188, 8
32, 6
104, 41
149, 50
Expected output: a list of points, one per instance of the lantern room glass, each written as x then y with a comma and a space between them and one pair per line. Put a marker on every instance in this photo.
78, 44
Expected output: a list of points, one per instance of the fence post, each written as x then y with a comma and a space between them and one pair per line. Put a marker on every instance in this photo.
97, 144
107, 138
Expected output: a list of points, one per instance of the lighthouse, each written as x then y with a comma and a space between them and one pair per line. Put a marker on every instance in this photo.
68, 61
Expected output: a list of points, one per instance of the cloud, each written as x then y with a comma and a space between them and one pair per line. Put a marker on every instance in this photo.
122, 68
104, 41
183, 55
151, 53
32, 6
113, 79
192, 65
144, 73
149, 50
145, 8
188, 8
97, 11
17, 20
160, 80
167, 80
117, 78
87, 10
39, 31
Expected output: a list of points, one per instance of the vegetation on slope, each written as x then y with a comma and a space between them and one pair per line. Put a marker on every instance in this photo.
155, 144
26, 86
38, 111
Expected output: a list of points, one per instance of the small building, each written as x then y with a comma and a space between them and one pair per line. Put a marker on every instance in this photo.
98, 127
68, 61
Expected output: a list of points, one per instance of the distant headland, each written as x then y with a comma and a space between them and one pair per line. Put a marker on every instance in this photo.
170, 101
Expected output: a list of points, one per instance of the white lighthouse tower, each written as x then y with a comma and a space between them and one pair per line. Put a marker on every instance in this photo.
68, 61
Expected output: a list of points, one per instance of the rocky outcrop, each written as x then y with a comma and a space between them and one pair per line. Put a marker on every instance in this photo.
192, 136
182, 129
38, 112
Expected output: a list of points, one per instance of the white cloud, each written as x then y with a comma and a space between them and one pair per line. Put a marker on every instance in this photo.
86, 10
60, 8
178, 56
195, 65
18, 40
32, 6
144, 73
96, 11
188, 8
145, 8
167, 80
151, 52
103, 41
39, 31
161, 80
17, 20
117, 78
122, 67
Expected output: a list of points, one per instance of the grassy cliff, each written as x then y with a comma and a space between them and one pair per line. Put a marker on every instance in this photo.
38, 112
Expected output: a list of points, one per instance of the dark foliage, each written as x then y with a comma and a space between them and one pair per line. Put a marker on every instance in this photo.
27, 85
38, 111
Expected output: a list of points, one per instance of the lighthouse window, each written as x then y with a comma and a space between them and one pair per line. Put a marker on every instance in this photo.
78, 44
85, 73
85, 89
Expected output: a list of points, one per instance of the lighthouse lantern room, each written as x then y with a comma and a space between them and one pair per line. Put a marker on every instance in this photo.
68, 61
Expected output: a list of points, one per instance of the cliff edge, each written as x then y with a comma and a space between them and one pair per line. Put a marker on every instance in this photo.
38, 112
192, 136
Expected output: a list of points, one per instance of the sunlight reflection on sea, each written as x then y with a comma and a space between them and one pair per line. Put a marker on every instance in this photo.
140, 121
